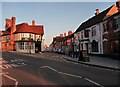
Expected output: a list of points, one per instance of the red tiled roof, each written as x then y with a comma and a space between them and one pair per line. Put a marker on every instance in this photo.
25, 28
94, 20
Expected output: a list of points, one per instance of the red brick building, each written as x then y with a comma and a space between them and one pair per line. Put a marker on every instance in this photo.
111, 34
22, 37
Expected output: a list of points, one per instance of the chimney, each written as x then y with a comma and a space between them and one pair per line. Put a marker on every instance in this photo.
33, 22
61, 35
97, 12
13, 20
13, 29
69, 32
118, 5
64, 34
8, 23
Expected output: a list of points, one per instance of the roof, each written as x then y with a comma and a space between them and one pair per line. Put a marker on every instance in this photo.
59, 39
5, 33
25, 28
94, 20
118, 13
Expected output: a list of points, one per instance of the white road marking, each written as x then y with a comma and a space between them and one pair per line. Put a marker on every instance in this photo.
49, 68
3, 67
72, 75
61, 72
15, 63
13, 79
93, 82
3, 73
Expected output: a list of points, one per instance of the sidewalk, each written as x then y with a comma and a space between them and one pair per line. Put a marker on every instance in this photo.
102, 62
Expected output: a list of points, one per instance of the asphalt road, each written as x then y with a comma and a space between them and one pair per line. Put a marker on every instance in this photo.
51, 69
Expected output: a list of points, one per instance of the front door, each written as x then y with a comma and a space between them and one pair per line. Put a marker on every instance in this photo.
38, 47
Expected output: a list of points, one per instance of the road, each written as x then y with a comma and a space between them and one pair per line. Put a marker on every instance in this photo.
51, 69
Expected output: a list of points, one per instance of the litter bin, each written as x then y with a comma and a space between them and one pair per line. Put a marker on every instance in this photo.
85, 56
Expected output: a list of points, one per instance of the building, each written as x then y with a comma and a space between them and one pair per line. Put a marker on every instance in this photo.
89, 35
111, 34
62, 43
22, 37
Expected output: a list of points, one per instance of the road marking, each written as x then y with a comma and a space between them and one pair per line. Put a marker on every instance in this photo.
49, 68
3, 67
3, 73
93, 82
13, 79
72, 75
61, 72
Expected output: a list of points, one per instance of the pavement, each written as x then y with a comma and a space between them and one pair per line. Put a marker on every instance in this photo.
103, 62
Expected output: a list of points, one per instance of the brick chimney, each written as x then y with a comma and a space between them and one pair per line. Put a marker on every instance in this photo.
64, 34
69, 32
61, 35
33, 22
97, 12
118, 5
13, 28
8, 23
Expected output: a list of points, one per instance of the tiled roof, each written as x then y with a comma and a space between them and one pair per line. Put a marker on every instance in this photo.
58, 39
94, 20
25, 28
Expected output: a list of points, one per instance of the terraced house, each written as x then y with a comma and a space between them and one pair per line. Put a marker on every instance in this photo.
90, 34
99, 34
22, 37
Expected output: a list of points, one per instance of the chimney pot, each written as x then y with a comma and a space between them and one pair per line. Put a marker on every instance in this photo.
97, 12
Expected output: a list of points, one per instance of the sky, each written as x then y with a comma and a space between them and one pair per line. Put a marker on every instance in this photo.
56, 17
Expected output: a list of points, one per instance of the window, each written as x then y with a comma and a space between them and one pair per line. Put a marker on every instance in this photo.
94, 46
81, 35
21, 45
86, 33
104, 27
26, 45
94, 31
81, 46
118, 23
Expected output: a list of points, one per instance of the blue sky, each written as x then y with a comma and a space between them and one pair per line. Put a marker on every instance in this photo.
57, 17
